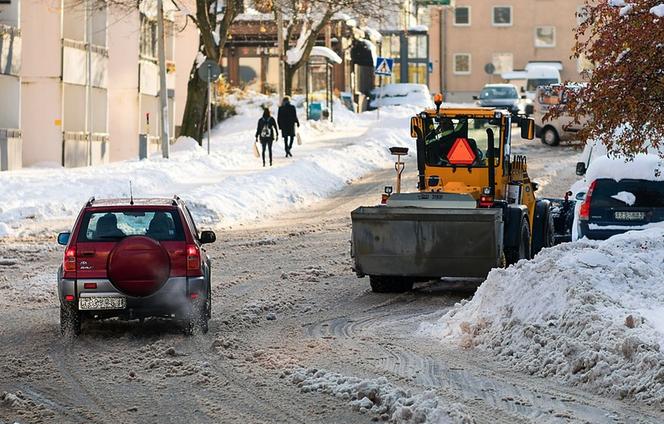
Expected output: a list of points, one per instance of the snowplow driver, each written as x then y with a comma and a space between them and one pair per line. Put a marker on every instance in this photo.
440, 140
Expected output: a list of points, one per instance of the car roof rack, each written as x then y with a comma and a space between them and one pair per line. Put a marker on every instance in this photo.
90, 201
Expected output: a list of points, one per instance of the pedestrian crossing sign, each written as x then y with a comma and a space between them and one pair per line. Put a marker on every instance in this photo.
384, 66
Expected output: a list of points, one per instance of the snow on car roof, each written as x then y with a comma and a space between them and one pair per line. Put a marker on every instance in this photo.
642, 167
154, 201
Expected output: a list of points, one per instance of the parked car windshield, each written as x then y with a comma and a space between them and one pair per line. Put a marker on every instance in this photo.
499, 93
609, 193
444, 132
111, 226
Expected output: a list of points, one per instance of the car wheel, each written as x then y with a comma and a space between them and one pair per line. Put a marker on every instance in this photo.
550, 137
197, 321
70, 321
513, 255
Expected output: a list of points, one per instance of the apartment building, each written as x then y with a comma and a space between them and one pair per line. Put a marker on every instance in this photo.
506, 34
10, 87
79, 79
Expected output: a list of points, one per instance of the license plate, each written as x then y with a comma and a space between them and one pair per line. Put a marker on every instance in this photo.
630, 216
101, 303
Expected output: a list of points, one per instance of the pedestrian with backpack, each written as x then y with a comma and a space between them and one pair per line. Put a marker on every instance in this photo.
287, 118
266, 131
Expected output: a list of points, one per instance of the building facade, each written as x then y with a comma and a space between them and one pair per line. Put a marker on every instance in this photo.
472, 34
82, 81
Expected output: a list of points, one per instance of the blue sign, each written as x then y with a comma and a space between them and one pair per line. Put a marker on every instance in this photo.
384, 66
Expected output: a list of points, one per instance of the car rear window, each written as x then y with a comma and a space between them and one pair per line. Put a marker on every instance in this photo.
110, 226
610, 193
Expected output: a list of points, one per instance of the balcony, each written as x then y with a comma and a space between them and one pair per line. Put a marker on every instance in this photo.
74, 63
10, 149
78, 151
10, 50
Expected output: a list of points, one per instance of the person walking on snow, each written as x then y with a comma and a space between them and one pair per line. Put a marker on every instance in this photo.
267, 131
287, 118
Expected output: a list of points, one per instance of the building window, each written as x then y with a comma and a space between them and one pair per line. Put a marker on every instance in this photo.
462, 16
545, 36
148, 37
462, 63
502, 16
503, 62
581, 14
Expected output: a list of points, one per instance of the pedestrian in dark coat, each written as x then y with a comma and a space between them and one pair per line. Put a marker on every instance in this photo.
287, 118
266, 132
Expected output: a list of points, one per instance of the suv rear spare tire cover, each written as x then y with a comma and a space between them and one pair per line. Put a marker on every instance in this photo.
138, 266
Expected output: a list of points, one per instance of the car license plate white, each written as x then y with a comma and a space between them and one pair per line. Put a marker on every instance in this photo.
630, 216
101, 303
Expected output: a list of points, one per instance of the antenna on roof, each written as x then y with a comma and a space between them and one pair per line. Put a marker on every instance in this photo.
131, 195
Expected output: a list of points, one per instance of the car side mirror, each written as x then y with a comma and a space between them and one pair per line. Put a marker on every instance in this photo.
63, 238
524, 97
535, 186
476, 97
208, 237
528, 128
523, 89
581, 168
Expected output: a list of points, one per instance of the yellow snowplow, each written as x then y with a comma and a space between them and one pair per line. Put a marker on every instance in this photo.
475, 208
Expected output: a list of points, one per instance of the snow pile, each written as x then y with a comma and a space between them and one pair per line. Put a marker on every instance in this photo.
325, 52
227, 187
589, 313
381, 398
402, 94
658, 10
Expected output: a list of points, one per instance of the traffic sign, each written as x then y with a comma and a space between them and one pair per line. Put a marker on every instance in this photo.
209, 71
384, 66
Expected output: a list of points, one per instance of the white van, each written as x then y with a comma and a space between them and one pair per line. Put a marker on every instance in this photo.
536, 74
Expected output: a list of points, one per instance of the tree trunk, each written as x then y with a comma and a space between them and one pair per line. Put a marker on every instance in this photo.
289, 75
193, 119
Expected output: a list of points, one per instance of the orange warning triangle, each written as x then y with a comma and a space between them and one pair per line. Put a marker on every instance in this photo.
461, 153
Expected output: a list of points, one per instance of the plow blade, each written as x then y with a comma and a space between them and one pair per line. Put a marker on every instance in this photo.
426, 243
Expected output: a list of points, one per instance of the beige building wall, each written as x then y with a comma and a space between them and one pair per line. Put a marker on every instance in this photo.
123, 47
41, 88
484, 41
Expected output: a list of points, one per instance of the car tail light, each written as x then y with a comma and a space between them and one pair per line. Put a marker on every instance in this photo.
193, 260
193, 296
69, 297
486, 198
69, 264
584, 212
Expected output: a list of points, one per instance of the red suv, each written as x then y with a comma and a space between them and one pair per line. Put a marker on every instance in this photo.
135, 258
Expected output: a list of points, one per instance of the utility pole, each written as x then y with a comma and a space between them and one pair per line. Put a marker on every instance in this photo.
163, 91
280, 48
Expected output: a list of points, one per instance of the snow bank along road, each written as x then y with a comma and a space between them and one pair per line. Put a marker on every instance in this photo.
295, 338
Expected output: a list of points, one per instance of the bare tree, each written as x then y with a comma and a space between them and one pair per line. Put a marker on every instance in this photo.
306, 19
213, 18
